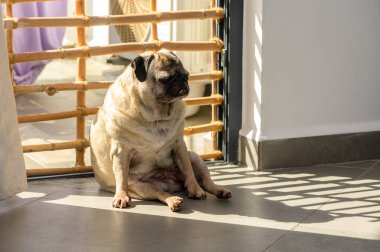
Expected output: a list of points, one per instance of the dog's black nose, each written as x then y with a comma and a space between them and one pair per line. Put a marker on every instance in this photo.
182, 92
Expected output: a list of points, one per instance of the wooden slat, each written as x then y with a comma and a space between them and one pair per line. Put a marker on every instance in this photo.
213, 75
201, 101
85, 51
153, 8
216, 154
53, 88
57, 115
216, 126
81, 76
214, 83
57, 171
86, 21
79, 143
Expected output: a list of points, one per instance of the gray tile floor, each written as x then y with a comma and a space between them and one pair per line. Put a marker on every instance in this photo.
319, 208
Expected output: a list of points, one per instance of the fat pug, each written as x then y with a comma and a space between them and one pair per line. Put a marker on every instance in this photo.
137, 146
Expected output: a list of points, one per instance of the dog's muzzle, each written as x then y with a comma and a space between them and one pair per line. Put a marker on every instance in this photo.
175, 90
183, 90
179, 88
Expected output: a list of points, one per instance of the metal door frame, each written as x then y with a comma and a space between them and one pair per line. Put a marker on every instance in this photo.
231, 32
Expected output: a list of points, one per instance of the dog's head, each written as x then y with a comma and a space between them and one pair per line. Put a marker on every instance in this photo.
163, 75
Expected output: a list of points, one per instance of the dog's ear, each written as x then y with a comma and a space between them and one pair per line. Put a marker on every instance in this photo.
141, 67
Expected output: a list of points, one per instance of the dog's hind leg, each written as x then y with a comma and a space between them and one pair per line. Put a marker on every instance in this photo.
152, 191
204, 179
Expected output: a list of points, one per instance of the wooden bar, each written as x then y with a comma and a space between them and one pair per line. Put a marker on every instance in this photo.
81, 76
88, 21
57, 115
216, 154
216, 45
48, 116
53, 88
153, 8
201, 101
86, 51
69, 53
213, 126
214, 75
57, 171
79, 143
214, 83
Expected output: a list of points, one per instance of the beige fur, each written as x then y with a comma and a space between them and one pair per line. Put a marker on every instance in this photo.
137, 145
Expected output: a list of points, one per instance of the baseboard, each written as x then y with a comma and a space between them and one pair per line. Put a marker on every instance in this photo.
306, 151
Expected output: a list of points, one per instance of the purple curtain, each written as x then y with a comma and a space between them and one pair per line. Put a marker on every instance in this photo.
36, 39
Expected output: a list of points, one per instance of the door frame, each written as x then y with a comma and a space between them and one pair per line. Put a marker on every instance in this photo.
231, 31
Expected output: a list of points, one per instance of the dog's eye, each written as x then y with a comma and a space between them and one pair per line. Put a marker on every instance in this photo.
165, 80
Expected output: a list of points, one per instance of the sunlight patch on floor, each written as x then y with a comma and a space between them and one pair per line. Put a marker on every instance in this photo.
156, 209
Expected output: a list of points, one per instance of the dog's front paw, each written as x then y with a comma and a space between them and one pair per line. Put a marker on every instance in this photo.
196, 192
121, 200
174, 203
223, 193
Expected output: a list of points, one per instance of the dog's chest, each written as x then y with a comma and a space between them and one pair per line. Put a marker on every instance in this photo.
156, 148
161, 132
151, 137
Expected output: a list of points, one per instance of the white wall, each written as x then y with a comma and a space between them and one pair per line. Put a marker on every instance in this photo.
252, 64
320, 69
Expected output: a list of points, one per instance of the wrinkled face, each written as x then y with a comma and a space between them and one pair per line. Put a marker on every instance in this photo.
163, 75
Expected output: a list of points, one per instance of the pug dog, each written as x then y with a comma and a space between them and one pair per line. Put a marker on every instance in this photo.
136, 139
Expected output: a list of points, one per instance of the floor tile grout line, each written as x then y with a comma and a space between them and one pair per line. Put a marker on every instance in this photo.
295, 226
315, 210
305, 218
350, 167
368, 170
347, 167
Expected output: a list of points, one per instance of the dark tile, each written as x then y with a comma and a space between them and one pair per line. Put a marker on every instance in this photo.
322, 204
373, 174
377, 166
302, 241
52, 227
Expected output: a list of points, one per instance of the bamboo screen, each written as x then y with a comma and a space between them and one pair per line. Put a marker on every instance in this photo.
81, 52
